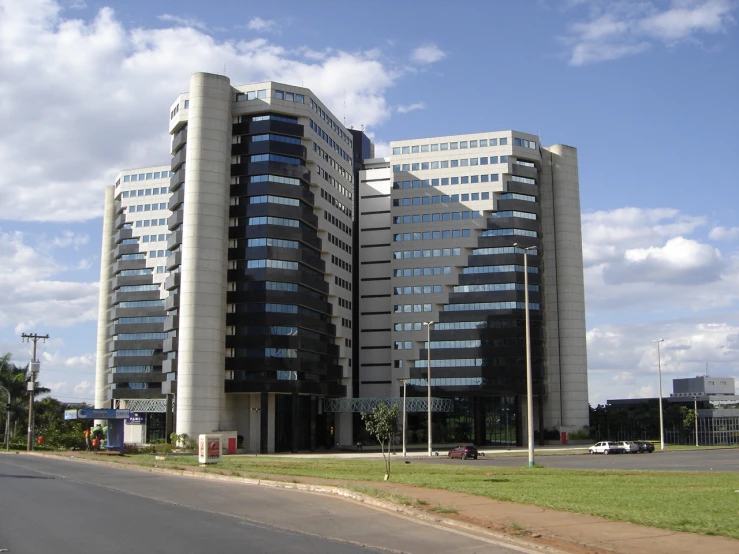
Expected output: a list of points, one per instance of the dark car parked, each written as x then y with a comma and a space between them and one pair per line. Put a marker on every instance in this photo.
464, 452
645, 446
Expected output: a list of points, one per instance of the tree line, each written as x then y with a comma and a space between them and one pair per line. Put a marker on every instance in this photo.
48, 417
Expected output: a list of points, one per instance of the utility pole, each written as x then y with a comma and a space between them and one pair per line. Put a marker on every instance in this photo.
34, 367
7, 419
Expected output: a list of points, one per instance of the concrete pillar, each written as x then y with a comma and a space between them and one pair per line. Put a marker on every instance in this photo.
201, 353
101, 363
570, 288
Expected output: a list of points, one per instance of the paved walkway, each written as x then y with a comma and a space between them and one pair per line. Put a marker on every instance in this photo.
526, 525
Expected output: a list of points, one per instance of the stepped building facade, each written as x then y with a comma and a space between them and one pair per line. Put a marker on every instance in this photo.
275, 278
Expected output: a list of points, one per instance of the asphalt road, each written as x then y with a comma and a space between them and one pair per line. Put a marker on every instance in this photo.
681, 460
65, 507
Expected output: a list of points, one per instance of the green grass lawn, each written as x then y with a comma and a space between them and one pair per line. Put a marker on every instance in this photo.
695, 502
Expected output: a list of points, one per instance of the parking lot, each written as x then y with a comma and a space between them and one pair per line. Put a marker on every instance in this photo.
686, 460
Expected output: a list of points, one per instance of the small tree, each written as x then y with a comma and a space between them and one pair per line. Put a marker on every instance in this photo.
382, 423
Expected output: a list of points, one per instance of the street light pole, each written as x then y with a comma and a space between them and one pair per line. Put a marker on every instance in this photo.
428, 378
34, 367
661, 419
404, 419
695, 404
529, 379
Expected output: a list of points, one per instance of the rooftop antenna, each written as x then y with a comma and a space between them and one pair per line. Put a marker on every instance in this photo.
344, 107
224, 69
706, 369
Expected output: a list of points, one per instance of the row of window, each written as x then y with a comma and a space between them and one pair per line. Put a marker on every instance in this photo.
473, 343
279, 158
427, 253
141, 304
422, 271
432, 235
134, 320
412, 326
276, 138
272, 264
274, 179
475, 306
340, 243
459, 362
509, 232
145, 192
343, 172
447, 382
425, 200
132, 272
333, 182
345, 304
140, 336
503, 250
417, 289
494, 287
269, 199
278, 243
338, 262
133, 369
281, 221
138, 288
150, 222
336, 204
146, 177
444, 181
514, 213
135, 352
517, 196
337, 222
343, 283
497, 269
155, 238
460, 145
447, 164
411, 308
271, 117
346, 137
326, 137
146, 207
439, 216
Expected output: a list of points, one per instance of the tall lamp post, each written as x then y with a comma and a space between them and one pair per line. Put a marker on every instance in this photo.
695, 404
428, 324
529, 379
404, 419
661, 419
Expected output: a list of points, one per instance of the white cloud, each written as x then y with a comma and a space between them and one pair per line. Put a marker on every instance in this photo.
29, 294
428, 53
262, 25
646, 258
412, 107
183, 21
85, 360
679, 261
617, 29
724, 233
112, 88
69, 238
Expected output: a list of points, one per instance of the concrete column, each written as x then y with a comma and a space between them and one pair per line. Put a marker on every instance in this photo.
202, 330
101, 362
570, 288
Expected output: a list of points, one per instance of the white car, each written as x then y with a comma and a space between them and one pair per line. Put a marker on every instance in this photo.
629, 447
606, 447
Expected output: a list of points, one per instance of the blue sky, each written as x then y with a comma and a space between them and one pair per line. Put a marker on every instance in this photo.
646, 90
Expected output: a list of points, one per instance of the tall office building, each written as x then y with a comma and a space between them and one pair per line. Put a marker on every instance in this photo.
285, 303
131, 308
444, 224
